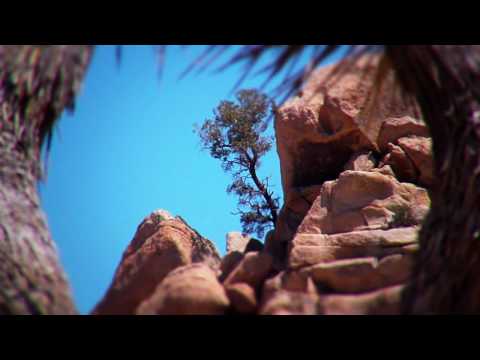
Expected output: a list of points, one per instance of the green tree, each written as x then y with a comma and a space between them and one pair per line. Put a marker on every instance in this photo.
235, 138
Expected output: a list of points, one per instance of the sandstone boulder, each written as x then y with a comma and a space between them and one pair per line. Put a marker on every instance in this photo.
229, 262
395, 128
189, 290
361, 200
253, 269
361, 274
385, 301
161, 244
284, 302
312, 249
290, 281
419, 151
242, 298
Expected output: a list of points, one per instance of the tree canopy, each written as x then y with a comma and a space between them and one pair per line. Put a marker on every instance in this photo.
235, 137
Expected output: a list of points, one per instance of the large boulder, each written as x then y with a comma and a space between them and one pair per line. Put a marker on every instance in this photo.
385, 301
189, 290
284, 302
419, 151
242, 297
361, 274
253, 269
290, 281
161, 244
361, 200
393, 129
312, 249
229, 262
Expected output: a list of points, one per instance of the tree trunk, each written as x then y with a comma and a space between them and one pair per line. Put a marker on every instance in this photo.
264, 191
36, 84
447, 272
31, 279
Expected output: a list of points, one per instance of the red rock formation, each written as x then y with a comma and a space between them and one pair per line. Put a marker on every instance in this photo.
253, 269
395, 128
161, 244
189, 290
242, 297
349, 221
353, 171
322, 131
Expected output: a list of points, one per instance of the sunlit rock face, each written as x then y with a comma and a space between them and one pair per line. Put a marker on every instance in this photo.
333, 117
355, 168
161, 244
188, 290
339, 122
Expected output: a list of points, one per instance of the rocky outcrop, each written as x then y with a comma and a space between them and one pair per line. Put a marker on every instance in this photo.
408, 150
253, 269
355, 168
310, 249
355, 175
189, 290
359, 275
242, 297
360, 200
385, 301
161, 244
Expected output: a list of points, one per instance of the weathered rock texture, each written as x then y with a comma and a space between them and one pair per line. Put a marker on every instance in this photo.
355, 175
161, 244
189, 290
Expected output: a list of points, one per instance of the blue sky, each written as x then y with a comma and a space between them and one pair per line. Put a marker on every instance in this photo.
129, 149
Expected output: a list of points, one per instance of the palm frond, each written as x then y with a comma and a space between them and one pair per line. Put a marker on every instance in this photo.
285, 59
209, 55
160, 52
37, 83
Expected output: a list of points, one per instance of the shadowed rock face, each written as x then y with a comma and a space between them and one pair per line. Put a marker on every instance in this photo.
353, 175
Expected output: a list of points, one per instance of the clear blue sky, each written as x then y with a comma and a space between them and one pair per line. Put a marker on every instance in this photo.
129, 149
